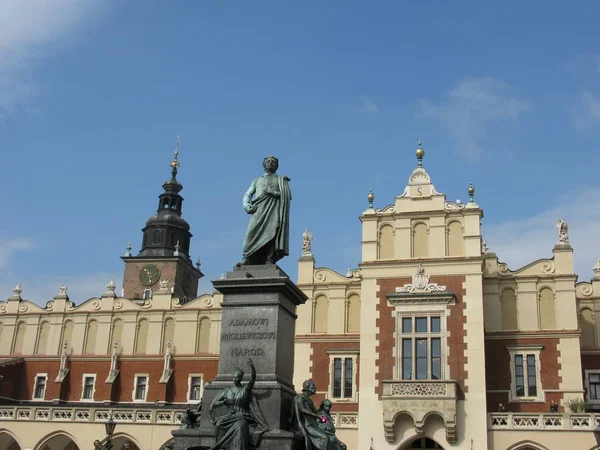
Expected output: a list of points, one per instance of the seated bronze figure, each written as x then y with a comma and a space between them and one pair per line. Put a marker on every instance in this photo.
311, 424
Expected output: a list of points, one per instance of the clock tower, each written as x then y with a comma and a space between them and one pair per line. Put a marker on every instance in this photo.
165, 249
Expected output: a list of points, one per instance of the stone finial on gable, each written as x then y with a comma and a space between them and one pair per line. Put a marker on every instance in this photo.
111, 287
62, 293
17, 290
563, 232
596, 270
307, 238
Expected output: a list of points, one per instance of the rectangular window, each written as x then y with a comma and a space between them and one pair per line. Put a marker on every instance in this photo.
519, 378
421, 346
343, 378
594, 381
348, 378
88, 388
337, 377
40, 387
141, 385
531, 376
195, 388
525, 377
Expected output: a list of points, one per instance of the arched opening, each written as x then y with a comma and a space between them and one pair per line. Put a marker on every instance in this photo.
156, 237
42, 342
320, 314
547, 311
386, 242
588, 328
19, 338
175, 239
67, 333
90, 340
168, 333
166, 203
353, 314
422, 442
142, 337
8, 441
420, 245
526, 445
202, 345
508, 304
456, 245
58, 441
124, 441
117, 331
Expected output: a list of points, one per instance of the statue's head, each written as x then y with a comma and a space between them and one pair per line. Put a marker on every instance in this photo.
238, 374
271, 164
309, 387
325, 405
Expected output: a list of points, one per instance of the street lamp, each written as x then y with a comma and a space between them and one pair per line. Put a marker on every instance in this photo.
106, 443
597, 434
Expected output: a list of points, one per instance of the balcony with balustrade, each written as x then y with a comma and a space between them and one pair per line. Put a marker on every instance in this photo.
419, 399
543, 421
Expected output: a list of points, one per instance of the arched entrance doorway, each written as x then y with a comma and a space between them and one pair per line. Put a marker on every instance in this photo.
8, 442
124, 442
59, 441
422, 443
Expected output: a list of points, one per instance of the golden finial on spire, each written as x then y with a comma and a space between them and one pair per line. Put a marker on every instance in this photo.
420, 153
175, 162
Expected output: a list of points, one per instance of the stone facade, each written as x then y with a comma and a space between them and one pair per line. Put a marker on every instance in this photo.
432, 342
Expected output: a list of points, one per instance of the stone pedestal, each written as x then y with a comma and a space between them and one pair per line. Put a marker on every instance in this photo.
258, 322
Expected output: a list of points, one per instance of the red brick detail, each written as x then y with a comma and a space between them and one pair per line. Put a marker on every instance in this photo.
455, 325
321, 374
18, 382
497, 370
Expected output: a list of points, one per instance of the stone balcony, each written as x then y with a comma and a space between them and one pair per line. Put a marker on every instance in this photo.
419, 399
543, 421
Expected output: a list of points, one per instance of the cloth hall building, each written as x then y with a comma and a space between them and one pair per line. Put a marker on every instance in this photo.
431, 343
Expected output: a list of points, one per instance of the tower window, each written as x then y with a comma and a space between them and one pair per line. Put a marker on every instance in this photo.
166, 203
156, 237
147, 294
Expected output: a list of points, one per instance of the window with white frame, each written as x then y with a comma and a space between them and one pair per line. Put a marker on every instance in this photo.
421, 347
147, 294
39, 386
525, 373
342, 385
592, 384
140, 390
88, 387
195, 387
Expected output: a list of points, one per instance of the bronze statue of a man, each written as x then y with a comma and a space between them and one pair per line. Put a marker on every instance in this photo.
268, 201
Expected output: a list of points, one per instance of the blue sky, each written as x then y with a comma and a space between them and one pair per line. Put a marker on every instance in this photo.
93, 94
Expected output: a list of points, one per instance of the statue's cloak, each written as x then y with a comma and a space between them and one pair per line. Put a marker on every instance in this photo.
271, 220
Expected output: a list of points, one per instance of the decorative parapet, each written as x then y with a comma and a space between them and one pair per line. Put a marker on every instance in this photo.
544, 421
419, 399
91, 415
343, 420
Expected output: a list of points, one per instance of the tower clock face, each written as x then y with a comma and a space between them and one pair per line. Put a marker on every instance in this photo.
149, 274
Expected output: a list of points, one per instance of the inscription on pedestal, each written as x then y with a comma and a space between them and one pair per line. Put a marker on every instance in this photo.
248, 330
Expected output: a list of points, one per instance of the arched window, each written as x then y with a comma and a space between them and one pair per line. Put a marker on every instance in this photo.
547, 309
353, 314
203, 343
386, 242
175, 239
42, 342
508, 303
456, 246
320, 318
142, 337
117, 331
19, 338
168, 333
90, 339
67, 334
420, 241
166, 203
156, 237
588, 328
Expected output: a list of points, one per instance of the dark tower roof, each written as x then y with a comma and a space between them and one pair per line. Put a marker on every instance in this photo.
166, 232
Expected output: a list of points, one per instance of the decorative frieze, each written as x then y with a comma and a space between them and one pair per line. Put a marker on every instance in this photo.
536, 421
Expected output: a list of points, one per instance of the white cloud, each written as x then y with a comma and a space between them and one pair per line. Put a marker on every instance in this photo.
27, 27
8, 247
522, 241
588, 111
369, 106
468, 109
